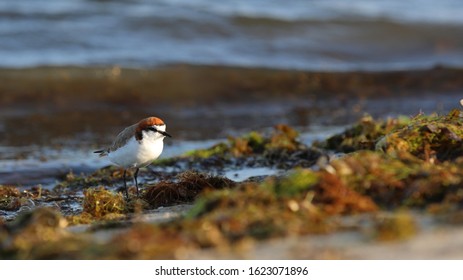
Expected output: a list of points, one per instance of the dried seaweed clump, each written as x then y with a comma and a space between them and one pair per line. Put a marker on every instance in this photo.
394, 182
363, 135
428, 137
101, 203
10, 198
188, 186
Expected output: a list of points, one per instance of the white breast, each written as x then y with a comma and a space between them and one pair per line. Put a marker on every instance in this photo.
137, 154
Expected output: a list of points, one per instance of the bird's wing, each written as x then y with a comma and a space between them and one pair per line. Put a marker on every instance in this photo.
123, 137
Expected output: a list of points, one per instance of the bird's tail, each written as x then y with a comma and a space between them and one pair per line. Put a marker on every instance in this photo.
102, 153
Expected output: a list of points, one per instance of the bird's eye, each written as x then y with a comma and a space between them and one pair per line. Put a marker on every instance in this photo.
152, 129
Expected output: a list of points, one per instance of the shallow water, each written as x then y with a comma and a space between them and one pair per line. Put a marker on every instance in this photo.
317, 34
46, 166
43, 165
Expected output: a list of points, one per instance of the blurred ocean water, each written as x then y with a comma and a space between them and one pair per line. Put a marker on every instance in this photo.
299, 34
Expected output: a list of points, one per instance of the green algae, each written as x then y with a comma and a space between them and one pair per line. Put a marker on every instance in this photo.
165, 161
218, 149
295, 183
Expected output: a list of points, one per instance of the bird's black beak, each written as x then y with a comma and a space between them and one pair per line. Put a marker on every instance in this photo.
165, 134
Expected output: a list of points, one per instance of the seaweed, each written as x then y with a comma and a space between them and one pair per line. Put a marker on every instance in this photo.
429, 138
281, 148
283, 137
393, 181
433, 137
363, 135
189, 185
100, 202
251, 211
10, 198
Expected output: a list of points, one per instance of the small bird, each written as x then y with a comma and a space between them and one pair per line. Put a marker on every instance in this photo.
137, 146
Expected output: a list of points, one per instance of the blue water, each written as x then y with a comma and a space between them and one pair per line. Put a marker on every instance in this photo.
302, 34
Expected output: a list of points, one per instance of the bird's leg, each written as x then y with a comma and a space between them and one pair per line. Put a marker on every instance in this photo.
125, 184
136, 182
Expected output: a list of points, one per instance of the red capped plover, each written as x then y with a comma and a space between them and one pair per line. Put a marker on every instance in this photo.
137, 146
